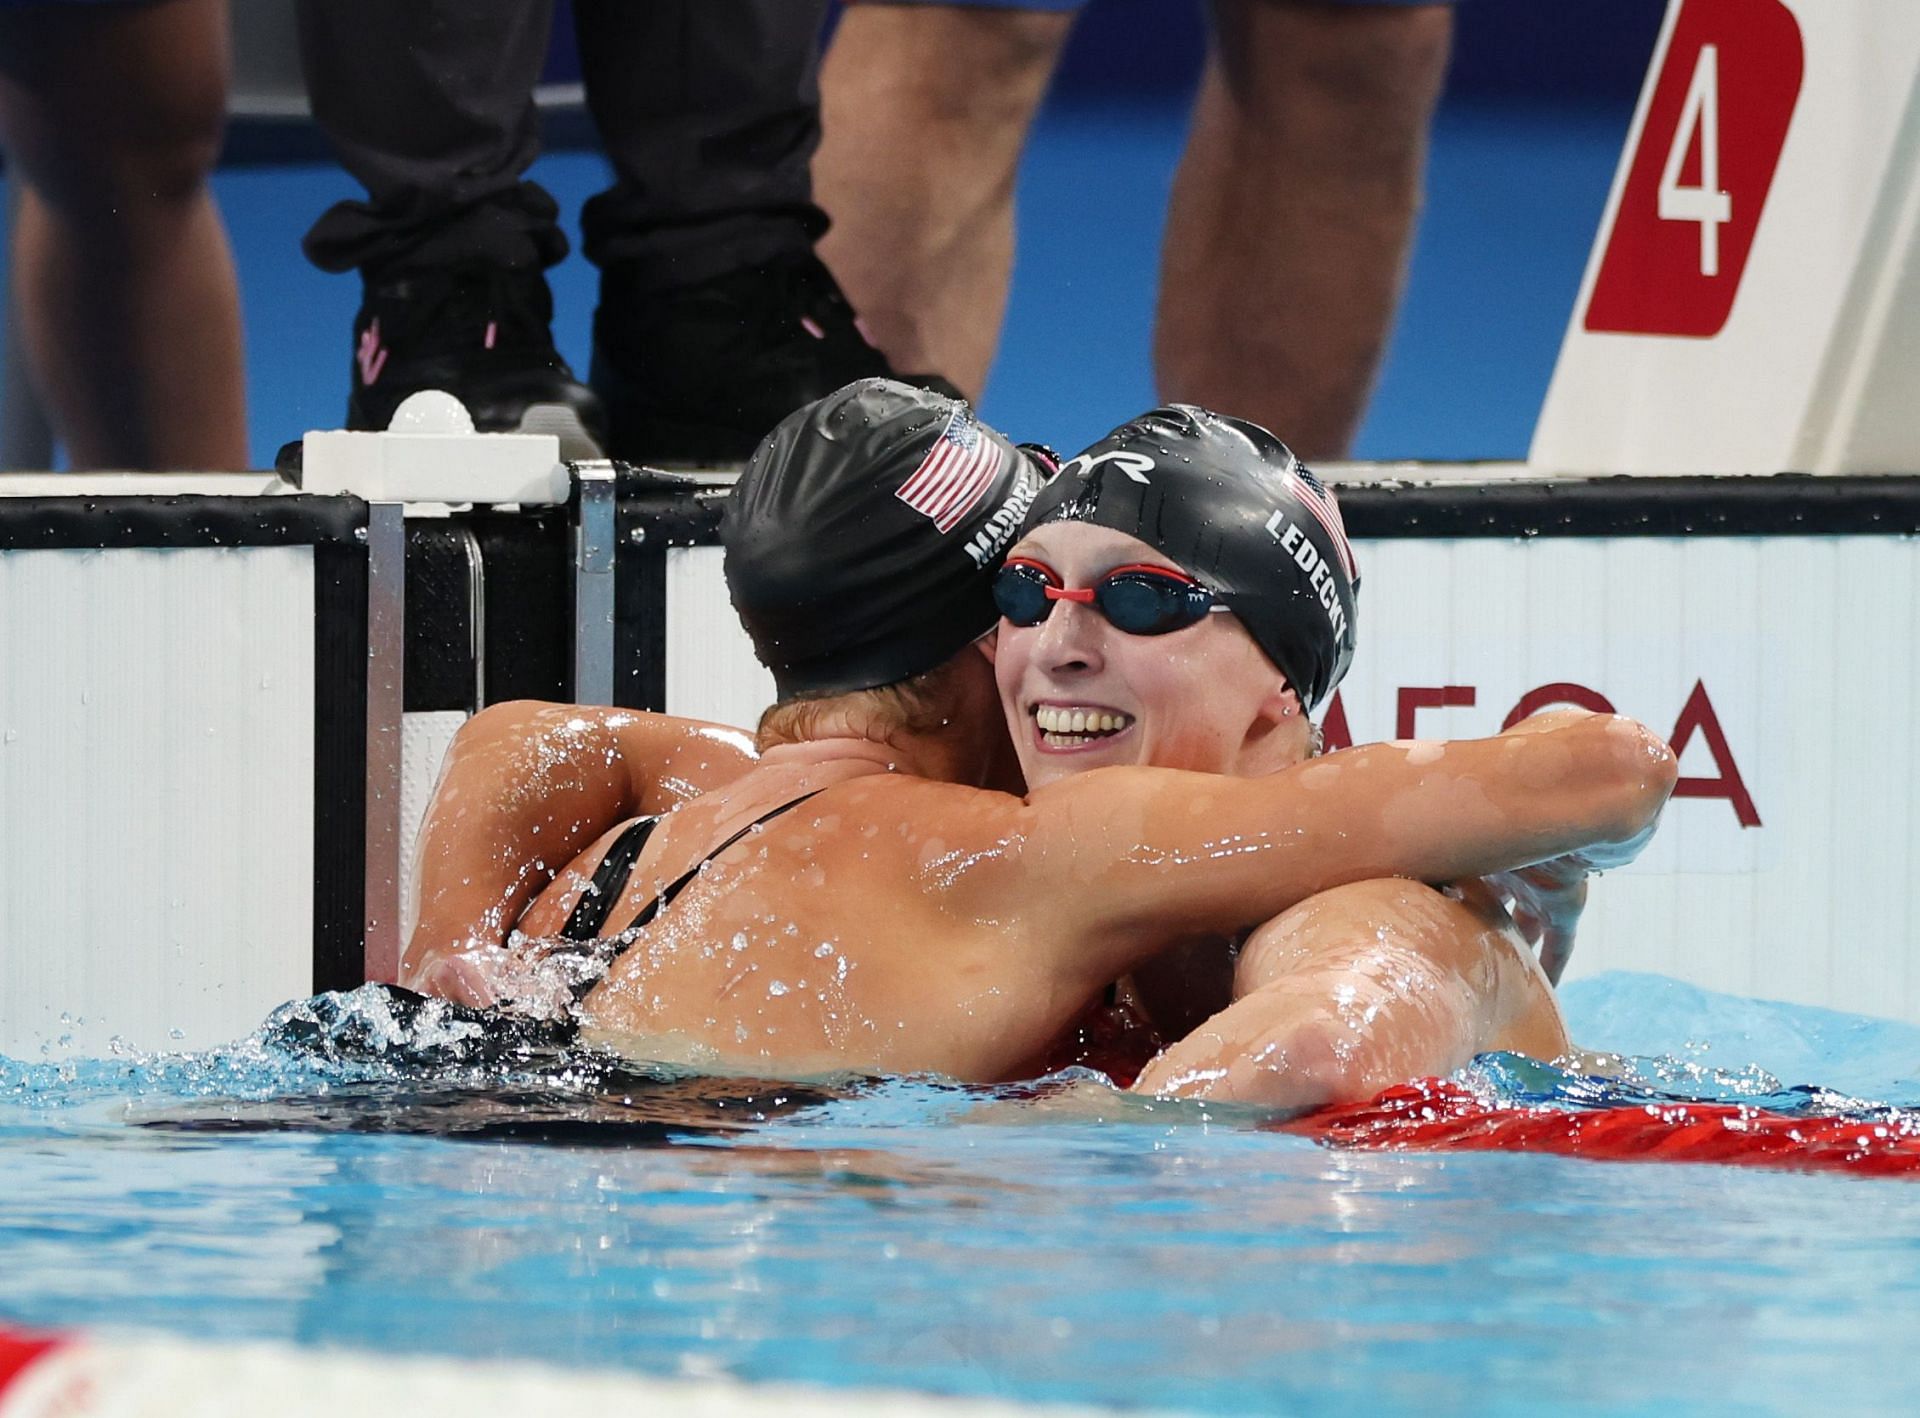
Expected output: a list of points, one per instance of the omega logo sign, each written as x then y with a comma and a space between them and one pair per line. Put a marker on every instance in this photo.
1696, 718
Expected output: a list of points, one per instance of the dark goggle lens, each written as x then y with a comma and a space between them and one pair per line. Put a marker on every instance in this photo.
1134, 602
1020, 593
1141, 603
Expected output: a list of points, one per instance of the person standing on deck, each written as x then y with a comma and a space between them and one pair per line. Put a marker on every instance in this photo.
1287, 229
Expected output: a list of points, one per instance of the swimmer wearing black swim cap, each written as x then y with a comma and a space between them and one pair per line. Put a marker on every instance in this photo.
862, 537
1230, 503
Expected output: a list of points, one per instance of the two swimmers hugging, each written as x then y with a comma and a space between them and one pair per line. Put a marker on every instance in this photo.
1009, 814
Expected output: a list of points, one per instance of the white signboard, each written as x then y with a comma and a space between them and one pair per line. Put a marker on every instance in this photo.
1750, 300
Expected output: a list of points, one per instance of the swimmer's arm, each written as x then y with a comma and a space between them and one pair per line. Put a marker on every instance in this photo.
1133, 857
1548, 898
526, 786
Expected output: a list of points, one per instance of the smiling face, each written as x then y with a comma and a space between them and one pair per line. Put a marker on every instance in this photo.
1080, 694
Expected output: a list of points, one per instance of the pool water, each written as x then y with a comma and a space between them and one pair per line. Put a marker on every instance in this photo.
340, 1180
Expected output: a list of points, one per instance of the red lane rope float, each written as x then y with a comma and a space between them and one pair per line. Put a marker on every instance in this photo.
18, 1349
1436, 1114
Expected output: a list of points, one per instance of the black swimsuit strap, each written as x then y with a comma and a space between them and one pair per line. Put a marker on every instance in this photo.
681, 882
590, 912
610, 878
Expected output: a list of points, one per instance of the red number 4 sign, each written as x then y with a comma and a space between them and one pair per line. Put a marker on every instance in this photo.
1699, 178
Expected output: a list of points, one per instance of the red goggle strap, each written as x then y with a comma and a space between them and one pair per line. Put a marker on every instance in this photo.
1054, 591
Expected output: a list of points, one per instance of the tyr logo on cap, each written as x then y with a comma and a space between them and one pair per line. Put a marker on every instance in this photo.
956, 473
1135, 465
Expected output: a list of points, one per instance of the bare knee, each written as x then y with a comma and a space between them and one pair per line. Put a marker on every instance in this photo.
120, 113
125, 169
1368, 74
999, 60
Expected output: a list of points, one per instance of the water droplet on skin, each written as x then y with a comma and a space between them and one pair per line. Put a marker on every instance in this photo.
822, 950
776, 988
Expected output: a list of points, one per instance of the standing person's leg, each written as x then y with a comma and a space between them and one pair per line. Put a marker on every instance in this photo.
1293, 210
926, 111
429, 103
716, 318
128, 303
1362, 987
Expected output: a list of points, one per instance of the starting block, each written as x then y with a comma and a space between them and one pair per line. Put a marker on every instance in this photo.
1752, 304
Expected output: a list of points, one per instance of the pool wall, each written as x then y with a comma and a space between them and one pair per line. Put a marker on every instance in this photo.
212, 809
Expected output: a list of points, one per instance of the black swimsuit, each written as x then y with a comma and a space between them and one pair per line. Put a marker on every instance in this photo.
590, 912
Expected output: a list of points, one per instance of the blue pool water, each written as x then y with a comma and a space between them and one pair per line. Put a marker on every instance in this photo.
1076, 1246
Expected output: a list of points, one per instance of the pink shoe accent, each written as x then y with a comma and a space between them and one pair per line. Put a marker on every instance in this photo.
370, 357
807, 324
493, 329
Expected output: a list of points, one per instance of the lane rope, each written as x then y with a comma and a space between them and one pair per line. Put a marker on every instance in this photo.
1437, 1114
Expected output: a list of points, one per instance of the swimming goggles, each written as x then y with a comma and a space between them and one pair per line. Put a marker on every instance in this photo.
1137, 600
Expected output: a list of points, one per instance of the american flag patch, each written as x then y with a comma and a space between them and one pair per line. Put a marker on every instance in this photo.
956, 473
1319, 501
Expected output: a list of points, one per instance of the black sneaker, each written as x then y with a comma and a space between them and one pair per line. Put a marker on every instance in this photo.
485, 336
699, 375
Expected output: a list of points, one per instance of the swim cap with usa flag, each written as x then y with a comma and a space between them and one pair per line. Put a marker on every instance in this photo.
862, 538
1236, 509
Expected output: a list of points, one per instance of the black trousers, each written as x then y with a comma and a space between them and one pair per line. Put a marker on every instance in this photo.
709, 111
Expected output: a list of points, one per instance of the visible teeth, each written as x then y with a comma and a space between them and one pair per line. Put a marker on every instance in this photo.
1053, 720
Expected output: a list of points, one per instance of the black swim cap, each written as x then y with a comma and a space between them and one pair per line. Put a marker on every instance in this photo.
862, 538
1232, 505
